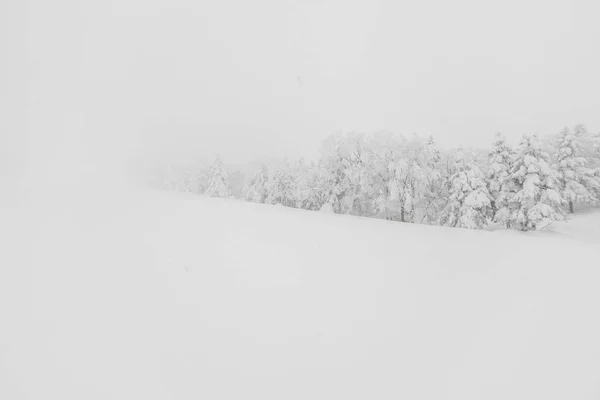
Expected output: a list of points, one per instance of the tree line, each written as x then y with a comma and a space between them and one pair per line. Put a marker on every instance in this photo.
410, 179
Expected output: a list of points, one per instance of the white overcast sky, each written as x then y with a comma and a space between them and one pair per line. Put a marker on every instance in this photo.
246, 79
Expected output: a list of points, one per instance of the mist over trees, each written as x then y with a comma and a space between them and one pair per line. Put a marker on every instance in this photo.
410, 179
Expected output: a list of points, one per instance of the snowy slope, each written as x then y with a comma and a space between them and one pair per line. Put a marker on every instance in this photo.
584, 226
157, 296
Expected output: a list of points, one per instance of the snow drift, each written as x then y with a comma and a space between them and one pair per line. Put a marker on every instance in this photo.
157, 296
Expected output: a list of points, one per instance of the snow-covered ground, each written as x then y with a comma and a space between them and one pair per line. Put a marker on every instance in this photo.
584, 226
164, 296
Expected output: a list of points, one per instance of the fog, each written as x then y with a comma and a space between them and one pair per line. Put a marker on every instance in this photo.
92, 87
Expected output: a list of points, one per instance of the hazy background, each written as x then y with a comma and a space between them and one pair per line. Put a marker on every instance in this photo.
89, 85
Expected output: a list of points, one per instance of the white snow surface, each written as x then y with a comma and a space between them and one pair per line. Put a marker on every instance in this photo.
147, 295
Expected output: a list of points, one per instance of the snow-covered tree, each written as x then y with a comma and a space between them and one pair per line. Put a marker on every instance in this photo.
537, 201
578, 183
500, 163
308, 187
423, 178
469, 201
383, 175
281, 185
344, 166
595, 160
589, 144
364, 174
389, 176
590, 150
404, 170
218, 184
333, 172
380, 160
255, 187
596, 148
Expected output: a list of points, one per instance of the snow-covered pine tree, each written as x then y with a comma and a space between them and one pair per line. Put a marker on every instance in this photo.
589, 144
500, 163
578, 183
537, 201
218, 185
469, 201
